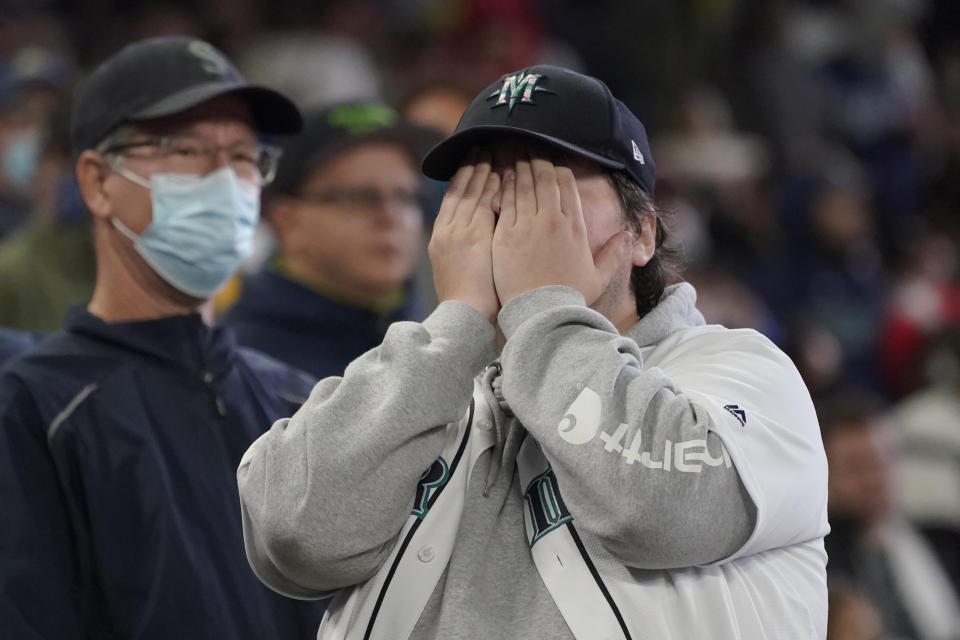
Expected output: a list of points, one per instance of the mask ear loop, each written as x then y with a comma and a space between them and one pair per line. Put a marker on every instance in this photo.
124, 229
135, 179
131, 176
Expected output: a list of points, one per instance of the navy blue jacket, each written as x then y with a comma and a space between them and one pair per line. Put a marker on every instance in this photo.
306, 329
119, 445
14, 342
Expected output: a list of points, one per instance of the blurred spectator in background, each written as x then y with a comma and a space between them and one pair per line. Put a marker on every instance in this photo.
48, 263
924, 300
120, 435
347, 209
314, 67
32, 79
836, 268
851, 616
929, 420
714, 177
871, 545
438, 104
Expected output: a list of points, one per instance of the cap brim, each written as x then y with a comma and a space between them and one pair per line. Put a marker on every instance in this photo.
273, 113
444, 159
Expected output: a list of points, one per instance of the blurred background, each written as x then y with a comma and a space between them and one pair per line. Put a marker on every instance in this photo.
809, 151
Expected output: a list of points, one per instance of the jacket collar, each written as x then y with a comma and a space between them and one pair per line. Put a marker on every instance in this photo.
271, 295
181, 340
676, 310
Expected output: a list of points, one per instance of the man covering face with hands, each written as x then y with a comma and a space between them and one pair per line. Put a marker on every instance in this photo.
517, 208
609, 467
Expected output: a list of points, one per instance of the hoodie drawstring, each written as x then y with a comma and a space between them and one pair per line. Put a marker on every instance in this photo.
491, 373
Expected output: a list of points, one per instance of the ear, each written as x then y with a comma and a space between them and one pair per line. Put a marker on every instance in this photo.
645, 240
92, 171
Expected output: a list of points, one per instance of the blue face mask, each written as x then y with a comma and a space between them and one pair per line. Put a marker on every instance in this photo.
20, 156
202, 228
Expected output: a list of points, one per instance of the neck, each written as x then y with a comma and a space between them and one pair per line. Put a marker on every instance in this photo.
625, 321
127, 289
620, 311
617, 303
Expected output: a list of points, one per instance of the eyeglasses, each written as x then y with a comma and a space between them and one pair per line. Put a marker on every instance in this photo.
253, 162
365, 198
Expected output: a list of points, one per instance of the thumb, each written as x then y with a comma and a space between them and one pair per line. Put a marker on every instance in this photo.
610, 254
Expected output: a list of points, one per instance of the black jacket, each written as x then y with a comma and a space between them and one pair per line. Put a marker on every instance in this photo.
306, 329
119, 444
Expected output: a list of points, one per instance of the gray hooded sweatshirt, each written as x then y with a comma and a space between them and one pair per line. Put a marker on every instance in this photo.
645, 473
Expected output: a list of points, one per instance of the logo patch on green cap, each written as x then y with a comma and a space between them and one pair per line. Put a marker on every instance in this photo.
359, 119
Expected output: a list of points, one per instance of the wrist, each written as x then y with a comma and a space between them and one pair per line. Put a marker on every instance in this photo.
472, 333
488, 312
535, 301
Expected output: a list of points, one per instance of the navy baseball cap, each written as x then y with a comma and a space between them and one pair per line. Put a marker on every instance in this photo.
560, 107
163, 76
335, 128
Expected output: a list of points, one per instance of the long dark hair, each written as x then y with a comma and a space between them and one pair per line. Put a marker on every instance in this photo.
649, 281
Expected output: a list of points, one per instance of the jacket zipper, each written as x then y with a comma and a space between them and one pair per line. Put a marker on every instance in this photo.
218, 402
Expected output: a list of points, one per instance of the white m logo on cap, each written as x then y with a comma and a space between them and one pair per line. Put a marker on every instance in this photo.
637, 154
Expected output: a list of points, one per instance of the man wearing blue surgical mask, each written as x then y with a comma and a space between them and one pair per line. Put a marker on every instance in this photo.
120, 435
183, 194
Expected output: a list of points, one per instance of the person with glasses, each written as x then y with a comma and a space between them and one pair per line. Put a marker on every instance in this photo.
347, 209
121, 433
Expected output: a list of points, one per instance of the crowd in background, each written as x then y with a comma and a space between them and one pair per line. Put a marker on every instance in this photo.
808, 152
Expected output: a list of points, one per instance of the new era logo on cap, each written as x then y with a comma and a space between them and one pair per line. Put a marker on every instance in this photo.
637, 154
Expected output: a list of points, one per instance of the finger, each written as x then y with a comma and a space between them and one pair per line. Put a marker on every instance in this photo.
485, 206
460, 180
569, 194
609, 256
508, 200
475, 187
545, 185
456, 188
526, 197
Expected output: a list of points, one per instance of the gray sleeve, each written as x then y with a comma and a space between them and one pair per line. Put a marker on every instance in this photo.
565, 363
324, 493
